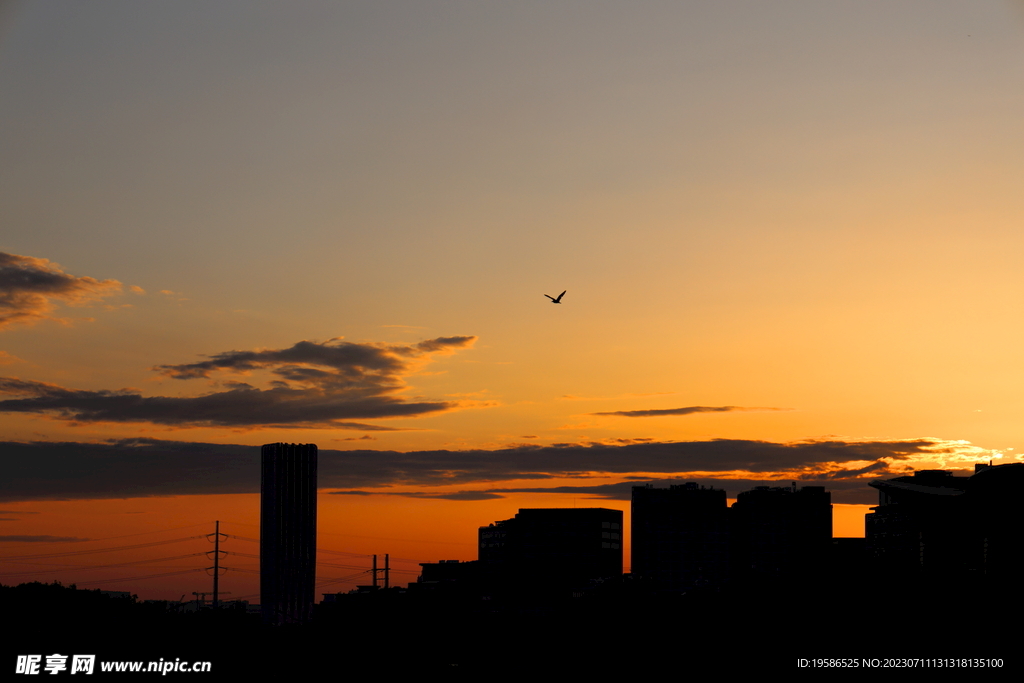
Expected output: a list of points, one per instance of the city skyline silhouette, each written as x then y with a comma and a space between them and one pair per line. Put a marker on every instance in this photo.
791, 231
933, 530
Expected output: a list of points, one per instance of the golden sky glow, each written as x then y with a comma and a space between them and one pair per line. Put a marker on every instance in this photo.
789, 234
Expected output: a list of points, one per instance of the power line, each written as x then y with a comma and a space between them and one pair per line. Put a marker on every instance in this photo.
60, 567
326, 582
139, 578
331, 552
140, 533
71, 553
98, 566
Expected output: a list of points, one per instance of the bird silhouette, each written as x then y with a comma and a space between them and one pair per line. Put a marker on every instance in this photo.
554, 300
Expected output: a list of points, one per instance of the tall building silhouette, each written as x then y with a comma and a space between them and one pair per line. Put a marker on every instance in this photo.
288, 532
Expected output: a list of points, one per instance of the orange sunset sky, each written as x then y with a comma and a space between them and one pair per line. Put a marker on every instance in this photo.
790, 235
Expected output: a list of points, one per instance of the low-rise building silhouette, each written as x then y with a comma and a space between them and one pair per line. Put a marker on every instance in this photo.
680, 536
685, 537
919, 525
996, 521
781, 533
553, 547
936, 525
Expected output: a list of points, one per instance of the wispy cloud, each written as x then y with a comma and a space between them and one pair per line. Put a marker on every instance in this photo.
571, 397
689, 410
9, 359
450, 495
29, 287
314, 385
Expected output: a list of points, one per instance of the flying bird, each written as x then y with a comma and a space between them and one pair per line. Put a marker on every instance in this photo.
554, 300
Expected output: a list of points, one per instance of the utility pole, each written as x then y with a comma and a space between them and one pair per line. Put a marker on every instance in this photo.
386, 570
216, 563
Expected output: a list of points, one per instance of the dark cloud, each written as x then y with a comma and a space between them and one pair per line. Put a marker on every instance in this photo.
41, 539
125, 469
148, 467
29, 286
315, 385
689, 410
